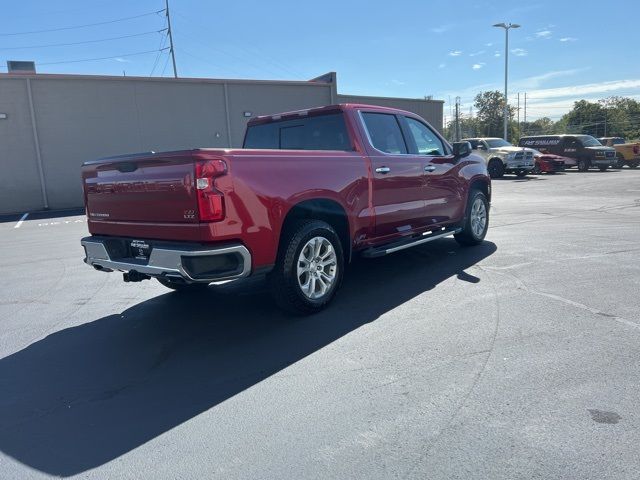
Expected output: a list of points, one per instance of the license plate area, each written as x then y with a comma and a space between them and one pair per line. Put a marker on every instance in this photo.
140, 250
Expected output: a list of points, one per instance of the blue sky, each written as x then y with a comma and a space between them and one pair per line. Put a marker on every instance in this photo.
565, 50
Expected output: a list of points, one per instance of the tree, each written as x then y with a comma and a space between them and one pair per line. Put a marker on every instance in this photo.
490, 113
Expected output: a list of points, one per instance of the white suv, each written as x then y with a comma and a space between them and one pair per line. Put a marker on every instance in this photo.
502, 157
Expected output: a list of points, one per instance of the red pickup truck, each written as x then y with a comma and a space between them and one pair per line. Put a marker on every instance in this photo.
309, 190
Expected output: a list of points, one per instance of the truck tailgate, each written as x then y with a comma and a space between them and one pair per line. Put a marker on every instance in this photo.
141, 188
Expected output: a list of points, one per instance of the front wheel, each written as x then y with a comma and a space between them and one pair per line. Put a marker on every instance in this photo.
602, 169
583, 164
476, 221
309, 267
495, 168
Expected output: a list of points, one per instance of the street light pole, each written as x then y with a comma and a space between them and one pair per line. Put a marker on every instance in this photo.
507, 27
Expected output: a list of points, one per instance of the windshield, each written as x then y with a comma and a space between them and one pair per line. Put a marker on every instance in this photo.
497, 143
589, 141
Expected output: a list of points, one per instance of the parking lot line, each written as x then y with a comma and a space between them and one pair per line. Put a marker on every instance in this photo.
22, 219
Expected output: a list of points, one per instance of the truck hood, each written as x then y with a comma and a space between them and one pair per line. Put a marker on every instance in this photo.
512, 149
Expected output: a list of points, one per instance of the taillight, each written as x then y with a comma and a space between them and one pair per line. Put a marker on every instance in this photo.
210, 200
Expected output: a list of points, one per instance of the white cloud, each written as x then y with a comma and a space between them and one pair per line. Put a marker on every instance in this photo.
568, 39
537, 81
475, 54
442, 65
497, 54
519, 52
441, 29
397, 82
122, 60
488, 44
544, 34
602, 88
478, 66
455, 53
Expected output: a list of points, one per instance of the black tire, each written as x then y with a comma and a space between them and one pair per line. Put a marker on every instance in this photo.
602, 169
467, 237
583, 164
283, 279
521, 173
183, 287
620, 163
495, 167
634, 164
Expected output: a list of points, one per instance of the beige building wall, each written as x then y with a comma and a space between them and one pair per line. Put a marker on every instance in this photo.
56, 122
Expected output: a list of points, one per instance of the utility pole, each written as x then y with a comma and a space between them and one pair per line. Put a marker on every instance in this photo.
170, 33
525, 107
507, 27
518, 114
457, 119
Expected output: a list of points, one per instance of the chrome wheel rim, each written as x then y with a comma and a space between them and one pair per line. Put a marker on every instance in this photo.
317, 268
478, 217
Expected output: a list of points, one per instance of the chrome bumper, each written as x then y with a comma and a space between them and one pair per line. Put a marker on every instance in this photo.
168, 261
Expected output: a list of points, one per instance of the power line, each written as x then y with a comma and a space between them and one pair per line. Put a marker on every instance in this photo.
101, 58
84, 42
160, 48
82, 26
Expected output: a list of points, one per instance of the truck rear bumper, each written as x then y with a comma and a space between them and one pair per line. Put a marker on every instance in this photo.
190, 263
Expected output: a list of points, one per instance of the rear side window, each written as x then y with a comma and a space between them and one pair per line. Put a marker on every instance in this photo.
319, 132
384, 132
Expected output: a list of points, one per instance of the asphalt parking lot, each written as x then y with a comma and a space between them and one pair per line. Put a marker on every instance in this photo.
514, 359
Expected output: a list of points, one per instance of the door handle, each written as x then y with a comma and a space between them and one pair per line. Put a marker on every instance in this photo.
383, 170
429, 168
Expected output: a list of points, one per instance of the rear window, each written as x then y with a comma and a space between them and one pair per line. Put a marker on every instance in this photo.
319, 132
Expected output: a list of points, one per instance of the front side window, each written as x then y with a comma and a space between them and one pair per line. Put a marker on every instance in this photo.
384, 132
426, 140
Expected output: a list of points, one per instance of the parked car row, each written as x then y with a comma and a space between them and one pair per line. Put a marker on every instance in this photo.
555, 153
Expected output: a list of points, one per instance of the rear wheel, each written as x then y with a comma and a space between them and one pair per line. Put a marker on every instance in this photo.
495, 168
634, 164
476, 221
521, 173
602, 169
183, 287
309, 267
583, 164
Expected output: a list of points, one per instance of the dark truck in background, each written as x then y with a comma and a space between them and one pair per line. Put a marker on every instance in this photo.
585, 149
309, 190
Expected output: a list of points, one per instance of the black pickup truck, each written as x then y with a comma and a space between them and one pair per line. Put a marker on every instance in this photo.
587, 150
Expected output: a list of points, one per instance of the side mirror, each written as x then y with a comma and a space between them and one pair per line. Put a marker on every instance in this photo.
461, 149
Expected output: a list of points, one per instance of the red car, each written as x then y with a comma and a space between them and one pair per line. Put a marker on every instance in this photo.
310, 190
550, 163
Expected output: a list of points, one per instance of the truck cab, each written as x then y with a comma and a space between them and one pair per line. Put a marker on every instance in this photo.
503, 157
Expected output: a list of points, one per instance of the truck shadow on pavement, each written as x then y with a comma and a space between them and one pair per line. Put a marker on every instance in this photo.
86, 395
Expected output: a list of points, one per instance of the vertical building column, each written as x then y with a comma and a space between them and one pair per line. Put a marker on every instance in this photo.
226, 113
36, 142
